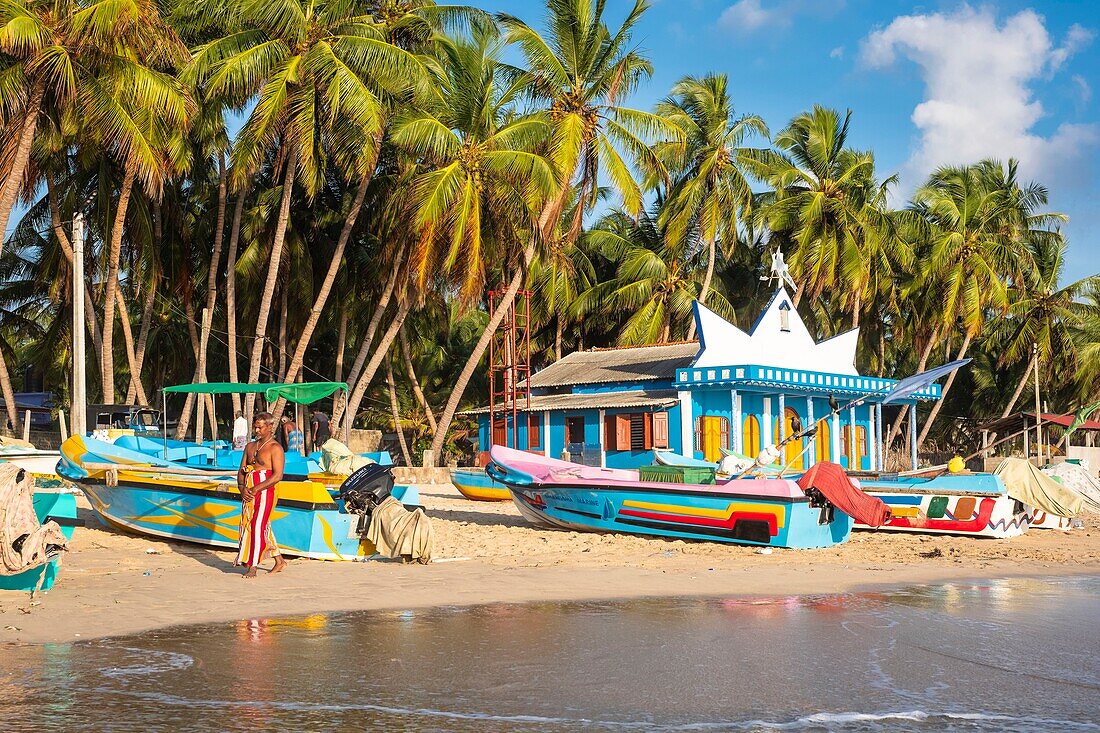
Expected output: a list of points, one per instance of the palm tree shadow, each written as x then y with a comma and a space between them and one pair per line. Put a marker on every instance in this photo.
484, 519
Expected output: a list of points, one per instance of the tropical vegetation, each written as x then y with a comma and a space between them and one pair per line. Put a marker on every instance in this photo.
276, 190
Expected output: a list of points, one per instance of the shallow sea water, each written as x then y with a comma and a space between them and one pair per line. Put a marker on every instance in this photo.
996, 655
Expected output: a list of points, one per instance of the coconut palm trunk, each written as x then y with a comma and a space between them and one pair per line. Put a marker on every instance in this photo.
395, 412
231, 294
272, 278
143, 338
371, 368
131, 353
326, 288
1020, 385
9, 395
895, 428
406, 356
67, 249
368, 336
9, 191
943, 396
107, 357
212, 274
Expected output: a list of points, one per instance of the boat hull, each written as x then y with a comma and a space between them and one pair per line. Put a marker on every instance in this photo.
972, 505
47, 505
477, 485
684, 513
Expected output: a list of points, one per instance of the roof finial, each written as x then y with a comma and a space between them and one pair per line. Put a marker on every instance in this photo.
779, 271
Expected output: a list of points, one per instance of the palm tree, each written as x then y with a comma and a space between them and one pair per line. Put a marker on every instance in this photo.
579, 73
979, 221
655, 285
318, 70
709, 192
827, 200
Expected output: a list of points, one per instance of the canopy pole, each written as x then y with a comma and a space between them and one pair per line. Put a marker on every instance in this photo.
164, 420
214, 429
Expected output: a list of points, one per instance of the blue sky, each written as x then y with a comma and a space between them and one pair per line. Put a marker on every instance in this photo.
928, 84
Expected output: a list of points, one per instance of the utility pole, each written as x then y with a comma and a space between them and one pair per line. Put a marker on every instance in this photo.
1038, 411
79, 406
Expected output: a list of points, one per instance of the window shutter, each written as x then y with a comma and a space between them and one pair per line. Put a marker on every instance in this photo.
622, 432
725, 432
534, 430
610, 435
660, 430
647, 430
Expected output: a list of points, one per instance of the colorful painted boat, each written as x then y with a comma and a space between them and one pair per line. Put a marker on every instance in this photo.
40, 464
771, 512
148, 495
60, 507
977, 505
476, 484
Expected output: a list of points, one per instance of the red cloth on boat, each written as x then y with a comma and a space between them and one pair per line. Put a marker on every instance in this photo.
834, 484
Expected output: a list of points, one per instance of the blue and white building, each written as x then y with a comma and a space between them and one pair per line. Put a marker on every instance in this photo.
734, 390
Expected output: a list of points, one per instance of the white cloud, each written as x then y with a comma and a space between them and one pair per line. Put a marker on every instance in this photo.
745, 16
979, 97
1084, 91
837, 52
750, 15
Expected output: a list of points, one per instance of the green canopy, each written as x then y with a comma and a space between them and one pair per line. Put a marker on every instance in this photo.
302, 392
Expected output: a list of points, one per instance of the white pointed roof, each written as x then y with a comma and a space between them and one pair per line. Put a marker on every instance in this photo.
773, 341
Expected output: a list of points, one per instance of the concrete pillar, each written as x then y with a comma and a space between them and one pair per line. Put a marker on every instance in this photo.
737, 428
546, 433
853, 444
872, 449
603, 439
766, 437
835, 452
811, 454
781, 413
687, 424
878, 437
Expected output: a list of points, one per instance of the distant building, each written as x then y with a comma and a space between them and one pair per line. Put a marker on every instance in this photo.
732, 391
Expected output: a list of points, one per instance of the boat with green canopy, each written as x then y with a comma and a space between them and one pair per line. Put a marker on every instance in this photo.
188, 491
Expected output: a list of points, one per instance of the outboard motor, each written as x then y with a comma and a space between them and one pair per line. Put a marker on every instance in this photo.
364, 490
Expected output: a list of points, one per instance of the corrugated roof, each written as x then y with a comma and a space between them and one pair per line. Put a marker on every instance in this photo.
628, 364
593, 401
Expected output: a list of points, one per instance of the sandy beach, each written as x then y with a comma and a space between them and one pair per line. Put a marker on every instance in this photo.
113, 583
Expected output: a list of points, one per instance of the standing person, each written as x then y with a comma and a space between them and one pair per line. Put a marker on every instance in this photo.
321, 429
240, 431
261, 470
295, 438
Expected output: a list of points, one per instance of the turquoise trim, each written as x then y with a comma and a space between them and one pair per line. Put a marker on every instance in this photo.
791, 381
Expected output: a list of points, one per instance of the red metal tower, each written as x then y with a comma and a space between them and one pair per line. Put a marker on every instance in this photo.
509, 367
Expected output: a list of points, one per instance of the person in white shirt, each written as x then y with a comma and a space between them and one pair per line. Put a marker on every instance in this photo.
240, 432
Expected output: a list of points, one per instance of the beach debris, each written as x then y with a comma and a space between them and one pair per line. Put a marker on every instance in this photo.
9, 627
934, 552
764, 551
147, 572
152, 551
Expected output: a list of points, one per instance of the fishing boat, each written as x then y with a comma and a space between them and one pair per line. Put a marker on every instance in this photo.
769, 512
137, 492
40, 464
477, 485
16, 526
975, 505
189, 492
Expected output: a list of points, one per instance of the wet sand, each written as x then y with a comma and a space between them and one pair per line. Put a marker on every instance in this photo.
111, 584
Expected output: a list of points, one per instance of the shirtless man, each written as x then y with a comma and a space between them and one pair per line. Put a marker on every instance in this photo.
261, 469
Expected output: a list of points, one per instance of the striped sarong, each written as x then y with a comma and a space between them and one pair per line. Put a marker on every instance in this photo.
257, 537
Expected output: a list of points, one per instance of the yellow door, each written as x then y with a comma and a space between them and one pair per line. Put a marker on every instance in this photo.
712, 438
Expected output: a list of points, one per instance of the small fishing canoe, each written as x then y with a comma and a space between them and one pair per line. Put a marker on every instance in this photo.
769, 512
975, 505
60, 507
476, 484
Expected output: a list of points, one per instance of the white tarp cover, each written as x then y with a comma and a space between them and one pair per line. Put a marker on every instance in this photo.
338, 458
1026, 483
1080, 480
19, 526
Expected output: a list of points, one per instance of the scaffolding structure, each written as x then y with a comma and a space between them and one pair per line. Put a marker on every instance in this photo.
509, 365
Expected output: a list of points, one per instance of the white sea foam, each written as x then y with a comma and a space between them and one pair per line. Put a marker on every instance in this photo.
151, 662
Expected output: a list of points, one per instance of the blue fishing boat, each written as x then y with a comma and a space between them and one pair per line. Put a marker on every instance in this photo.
769, 512
137, 492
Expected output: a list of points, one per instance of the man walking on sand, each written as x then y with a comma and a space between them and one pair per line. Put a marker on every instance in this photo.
261, 470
